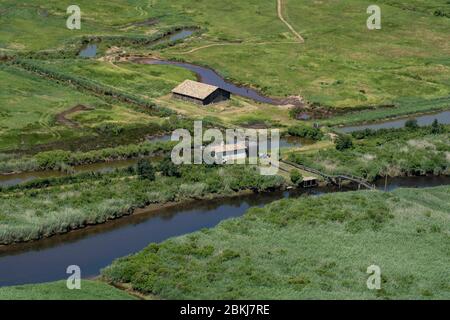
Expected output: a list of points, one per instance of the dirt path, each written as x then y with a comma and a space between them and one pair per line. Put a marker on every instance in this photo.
280, 15
236, 44
61, 117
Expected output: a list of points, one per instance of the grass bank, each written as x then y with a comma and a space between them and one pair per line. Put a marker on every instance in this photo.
307, 248
90, 290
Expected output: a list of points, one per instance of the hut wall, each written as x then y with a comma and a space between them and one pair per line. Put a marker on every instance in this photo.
217, 96
187, 98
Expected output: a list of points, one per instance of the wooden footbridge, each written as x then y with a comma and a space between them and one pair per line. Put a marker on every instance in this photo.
334, 179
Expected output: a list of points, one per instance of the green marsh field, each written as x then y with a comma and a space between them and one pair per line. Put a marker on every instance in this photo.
316, 67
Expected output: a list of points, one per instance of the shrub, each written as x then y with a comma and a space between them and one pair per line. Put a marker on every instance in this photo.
305, 132
296, 177
344, 142
411, 124
145, 170
52, 159
436, 128
168, 168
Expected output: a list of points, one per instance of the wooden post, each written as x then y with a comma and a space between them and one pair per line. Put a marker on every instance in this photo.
385, 183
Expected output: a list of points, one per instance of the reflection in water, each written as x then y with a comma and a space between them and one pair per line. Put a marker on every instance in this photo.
425, 120
95, 247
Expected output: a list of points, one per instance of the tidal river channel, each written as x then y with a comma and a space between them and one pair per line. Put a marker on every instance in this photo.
95, 247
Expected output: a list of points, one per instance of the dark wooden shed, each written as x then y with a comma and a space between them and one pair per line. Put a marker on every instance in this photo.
200, 93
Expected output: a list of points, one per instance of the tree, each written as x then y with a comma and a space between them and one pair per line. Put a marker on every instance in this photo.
168, 168
296, 177
436, 127
411, 124
344, 142
145, 170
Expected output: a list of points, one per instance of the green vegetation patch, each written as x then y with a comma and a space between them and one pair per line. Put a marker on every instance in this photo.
396, 152
90, 290
51, 206
307, 248
30, 105
146, 81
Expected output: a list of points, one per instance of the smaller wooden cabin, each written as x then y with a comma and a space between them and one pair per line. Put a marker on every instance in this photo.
229, 152
200, 93
310, 182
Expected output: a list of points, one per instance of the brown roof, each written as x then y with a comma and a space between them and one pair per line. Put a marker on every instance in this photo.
195, 89
309, 178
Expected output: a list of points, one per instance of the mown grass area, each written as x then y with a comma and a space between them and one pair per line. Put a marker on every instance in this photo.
90, 290
395, 152
29, 106
307, 248
50, 206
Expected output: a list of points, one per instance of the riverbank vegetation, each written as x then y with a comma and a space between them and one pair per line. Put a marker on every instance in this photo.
306, 248
391, 152
42, 208
61, 160
90, 290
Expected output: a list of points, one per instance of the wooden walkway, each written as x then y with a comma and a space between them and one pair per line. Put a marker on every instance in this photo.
334, 179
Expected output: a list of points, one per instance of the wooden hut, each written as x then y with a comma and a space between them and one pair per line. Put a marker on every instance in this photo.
200, 93
310, 182
229, 152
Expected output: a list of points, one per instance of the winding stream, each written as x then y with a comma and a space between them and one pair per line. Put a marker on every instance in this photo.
95, 247
211, 77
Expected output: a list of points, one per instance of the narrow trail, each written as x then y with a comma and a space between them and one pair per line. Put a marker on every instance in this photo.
236, 44
280, 15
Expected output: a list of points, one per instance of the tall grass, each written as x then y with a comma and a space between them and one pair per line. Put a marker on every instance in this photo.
398, 152
306, 248
59, 205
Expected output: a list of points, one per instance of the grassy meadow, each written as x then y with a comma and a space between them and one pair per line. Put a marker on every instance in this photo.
29, 106
306, 248
146, 81
41, 25
341, 64
90, 290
